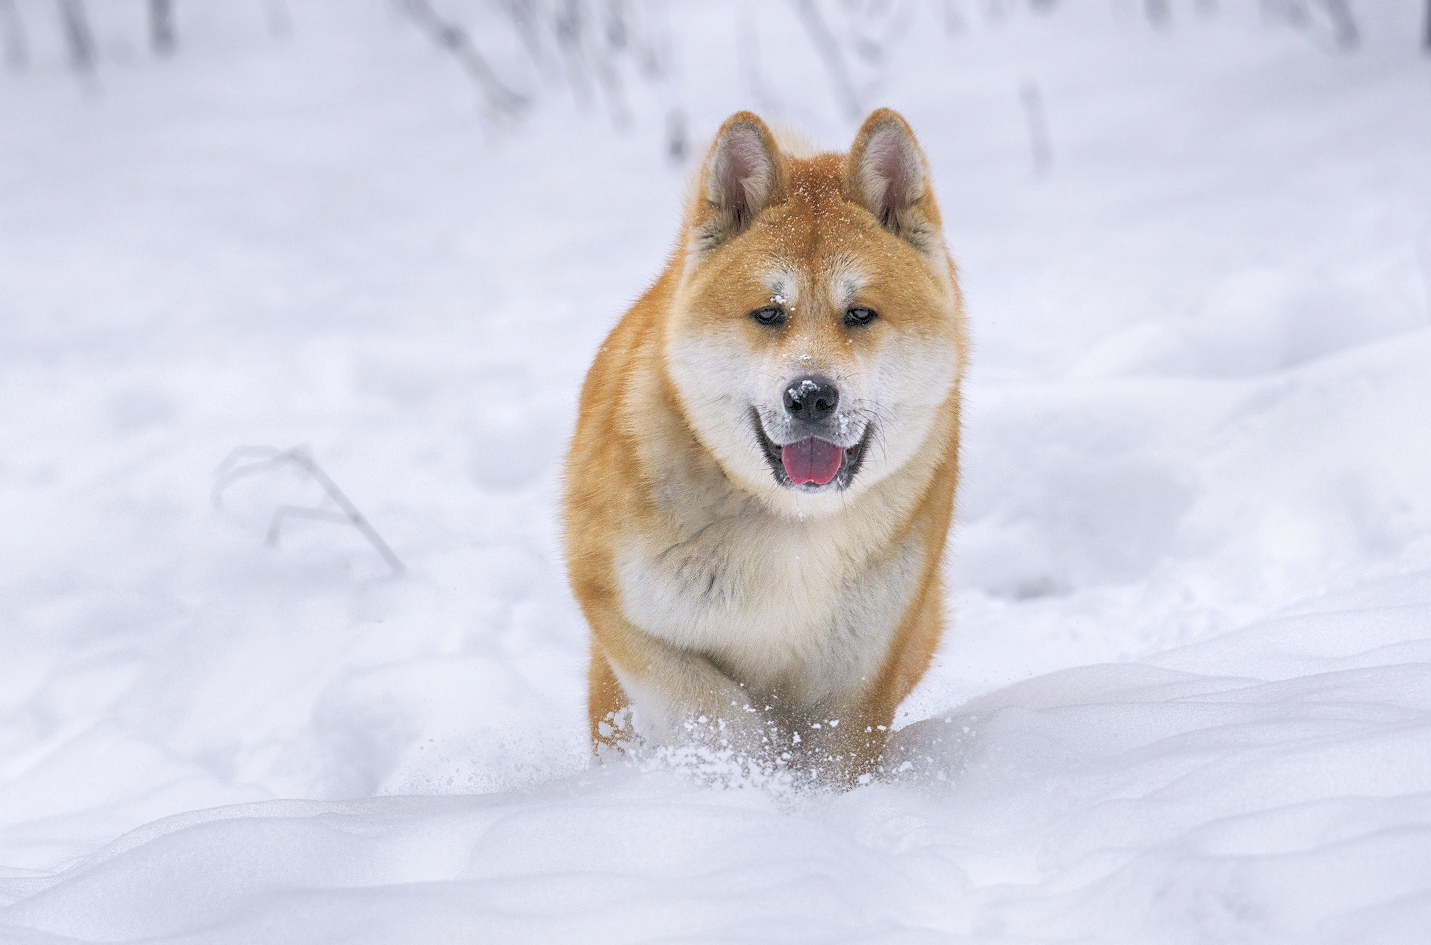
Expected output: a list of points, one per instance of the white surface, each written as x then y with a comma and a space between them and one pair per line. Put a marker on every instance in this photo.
1185, 696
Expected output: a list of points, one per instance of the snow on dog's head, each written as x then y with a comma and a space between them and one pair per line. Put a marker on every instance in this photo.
818, 330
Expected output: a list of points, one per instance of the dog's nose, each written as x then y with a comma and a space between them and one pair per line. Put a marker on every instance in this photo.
811, 398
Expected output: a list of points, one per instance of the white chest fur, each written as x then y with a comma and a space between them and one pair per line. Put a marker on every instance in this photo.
801, 610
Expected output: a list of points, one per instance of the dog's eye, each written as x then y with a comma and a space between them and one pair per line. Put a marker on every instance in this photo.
860, 316
770, 315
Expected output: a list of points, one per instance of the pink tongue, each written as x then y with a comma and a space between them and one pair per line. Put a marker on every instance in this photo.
811, 460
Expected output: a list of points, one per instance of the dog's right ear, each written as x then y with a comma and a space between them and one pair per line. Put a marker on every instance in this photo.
741, 176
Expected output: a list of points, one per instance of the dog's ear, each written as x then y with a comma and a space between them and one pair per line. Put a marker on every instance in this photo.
886, 174
741, 176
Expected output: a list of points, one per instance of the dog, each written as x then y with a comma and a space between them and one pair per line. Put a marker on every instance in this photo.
761, 481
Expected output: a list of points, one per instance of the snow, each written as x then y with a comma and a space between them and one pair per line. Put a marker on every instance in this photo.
1185, 696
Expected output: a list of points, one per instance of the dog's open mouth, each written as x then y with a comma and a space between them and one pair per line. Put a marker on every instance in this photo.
812, 463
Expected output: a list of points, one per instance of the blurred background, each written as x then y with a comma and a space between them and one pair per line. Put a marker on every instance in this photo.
1194, 235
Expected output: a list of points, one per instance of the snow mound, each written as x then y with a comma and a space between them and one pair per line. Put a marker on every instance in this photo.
1182, 801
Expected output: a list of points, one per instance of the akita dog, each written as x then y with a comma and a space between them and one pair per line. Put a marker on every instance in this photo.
763, 472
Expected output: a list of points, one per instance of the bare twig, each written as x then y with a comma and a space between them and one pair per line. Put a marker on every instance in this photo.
276, 13
677, 141
567, 25
17, 51
78, 34
247, 461
1304, 15
954, 21
653, 47
829, 49
503, 101
616, 39
161, 26
275, 525
750, 59
1344, 26
1423, 255
523, 15
618, 32
1039, 140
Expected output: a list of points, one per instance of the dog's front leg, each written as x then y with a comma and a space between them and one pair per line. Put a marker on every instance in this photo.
675, 694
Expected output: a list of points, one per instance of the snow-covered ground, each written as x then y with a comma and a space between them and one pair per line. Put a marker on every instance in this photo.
1186, 696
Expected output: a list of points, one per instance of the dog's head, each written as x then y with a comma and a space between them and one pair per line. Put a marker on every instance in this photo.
818, 329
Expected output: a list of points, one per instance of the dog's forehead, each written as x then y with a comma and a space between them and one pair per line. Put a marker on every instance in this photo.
835, 279
814, 238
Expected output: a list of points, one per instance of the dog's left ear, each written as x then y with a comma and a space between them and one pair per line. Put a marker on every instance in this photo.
741, 176
886, 174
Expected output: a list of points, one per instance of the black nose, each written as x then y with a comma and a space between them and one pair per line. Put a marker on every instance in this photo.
811, 398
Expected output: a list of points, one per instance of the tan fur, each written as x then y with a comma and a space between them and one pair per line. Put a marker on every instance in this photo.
714, 592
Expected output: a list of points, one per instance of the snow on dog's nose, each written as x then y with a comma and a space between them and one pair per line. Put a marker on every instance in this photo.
811, 399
